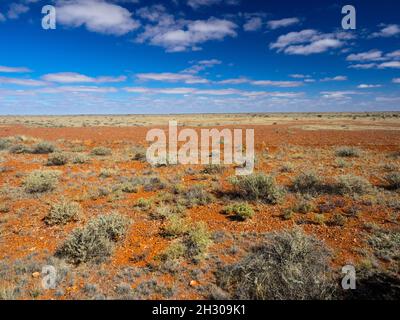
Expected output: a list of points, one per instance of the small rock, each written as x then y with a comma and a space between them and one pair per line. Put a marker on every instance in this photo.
36, 274
194, 283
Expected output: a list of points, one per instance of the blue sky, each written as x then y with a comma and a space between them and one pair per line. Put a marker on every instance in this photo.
186, 56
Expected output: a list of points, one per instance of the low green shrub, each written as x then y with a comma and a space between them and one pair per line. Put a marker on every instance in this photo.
63, 212
241, 211
258, 187
41, 181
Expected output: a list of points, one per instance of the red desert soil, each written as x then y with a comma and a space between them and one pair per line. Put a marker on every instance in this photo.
28, 234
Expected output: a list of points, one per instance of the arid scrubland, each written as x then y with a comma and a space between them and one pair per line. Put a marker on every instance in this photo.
77, 194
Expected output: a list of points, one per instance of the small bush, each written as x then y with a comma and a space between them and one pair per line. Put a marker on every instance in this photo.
213, 169
337, 220
386, 245
175, 226
57, 159
5, 143
353, 185
63, 212
303, 206
94, 241
41, 181
174, 251
196, 196
307, 182
287, 214
393, 180
128, 187
347, 152
197, 241
257, 187
139, 153
107, 173
241, 211
144, 204
288, 265
43, 148
80, 159
287, 167
101, 151
19, 149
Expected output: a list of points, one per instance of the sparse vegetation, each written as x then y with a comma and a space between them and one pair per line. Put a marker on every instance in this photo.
63, 212
41, 181
307, 182
94, 241
57, 159
393, 180
101, 151
240, 211
288, 265
258, 187
353, 185
43, 148
347, 152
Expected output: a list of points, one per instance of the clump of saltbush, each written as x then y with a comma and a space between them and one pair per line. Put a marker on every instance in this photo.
353, 185
197, 241
307, 182
257, 187
94, 242
63, 212
393, 180
240, 211
347, 152
287, 265
139, 153
57, 159
80, 158
19, 149
43, 147
41, 181
213, 169
101, 151
196, 196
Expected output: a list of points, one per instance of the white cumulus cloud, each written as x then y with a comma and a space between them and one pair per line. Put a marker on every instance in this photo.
97, 16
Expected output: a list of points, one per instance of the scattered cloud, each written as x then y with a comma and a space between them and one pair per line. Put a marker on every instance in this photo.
22, 82
337, 78
6, 69
391, 59
181, 35
390, 30
282, 84
16, 9
396, 80
307, 42
253, 24
369, 86
201, 65
372, 55
235, 81
72, 77
195, 4
299, 76
363, 66
2, 17
275, 24
171, 77
97, 16
390, 64
338, 94
77, 89
211, 92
